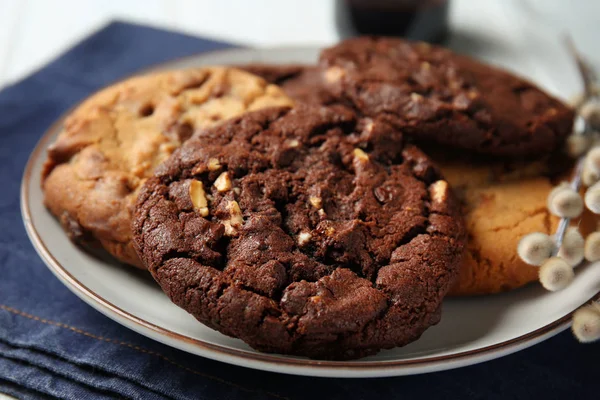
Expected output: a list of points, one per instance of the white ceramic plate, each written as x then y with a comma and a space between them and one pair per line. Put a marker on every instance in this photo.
471, 330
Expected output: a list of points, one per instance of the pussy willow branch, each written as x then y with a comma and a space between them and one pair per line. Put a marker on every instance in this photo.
588, 78
586, 72
564, 222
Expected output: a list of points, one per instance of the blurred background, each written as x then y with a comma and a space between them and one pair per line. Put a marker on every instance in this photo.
32, 32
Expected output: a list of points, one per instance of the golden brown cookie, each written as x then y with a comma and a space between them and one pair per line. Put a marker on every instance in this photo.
502, 202
113, 141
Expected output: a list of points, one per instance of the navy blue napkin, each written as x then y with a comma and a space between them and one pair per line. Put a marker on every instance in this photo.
52, 345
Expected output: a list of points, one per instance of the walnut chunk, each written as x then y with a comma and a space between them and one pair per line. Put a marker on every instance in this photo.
334, 74
416, 97
361, 155
303, 238
214, 164
235, 220
198, 197
472, 94
439, 191
369, 125
315, 201
293, 143
223, 182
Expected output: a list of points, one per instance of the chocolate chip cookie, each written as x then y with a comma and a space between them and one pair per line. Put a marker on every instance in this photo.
302, 231
113, 141
435, 95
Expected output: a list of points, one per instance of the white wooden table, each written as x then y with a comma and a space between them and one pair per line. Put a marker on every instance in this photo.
32, 32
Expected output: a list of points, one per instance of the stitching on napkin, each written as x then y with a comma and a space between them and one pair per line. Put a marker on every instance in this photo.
134, 347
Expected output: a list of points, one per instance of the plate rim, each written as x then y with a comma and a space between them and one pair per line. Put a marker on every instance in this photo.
263, 361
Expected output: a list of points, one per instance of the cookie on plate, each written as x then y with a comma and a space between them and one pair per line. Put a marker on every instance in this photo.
113, 141
435, 95
302, 231
503, 201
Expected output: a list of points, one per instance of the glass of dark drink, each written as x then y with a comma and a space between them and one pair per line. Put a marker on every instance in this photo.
425, 20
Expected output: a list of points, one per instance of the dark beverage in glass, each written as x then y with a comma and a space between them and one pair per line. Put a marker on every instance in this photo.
413, 19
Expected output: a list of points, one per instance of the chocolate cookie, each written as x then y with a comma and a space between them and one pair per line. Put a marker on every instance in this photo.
501, 201
435, 95
113, 141
303, 232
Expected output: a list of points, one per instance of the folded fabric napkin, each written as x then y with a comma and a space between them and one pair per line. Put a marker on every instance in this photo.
53, 345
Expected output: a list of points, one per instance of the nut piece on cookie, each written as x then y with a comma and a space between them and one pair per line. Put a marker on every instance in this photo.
235, 220
334, 74
303, 238
214, 164
360, 155
198, 197
315, 201
223, 182
439, 191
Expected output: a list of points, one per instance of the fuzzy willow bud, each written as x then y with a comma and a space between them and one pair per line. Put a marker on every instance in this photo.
591, 250
586, 323
556, 274
577, 145
590, 111
535, 248
572, 248
592, 160
588, 176
592, 198
565, 202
